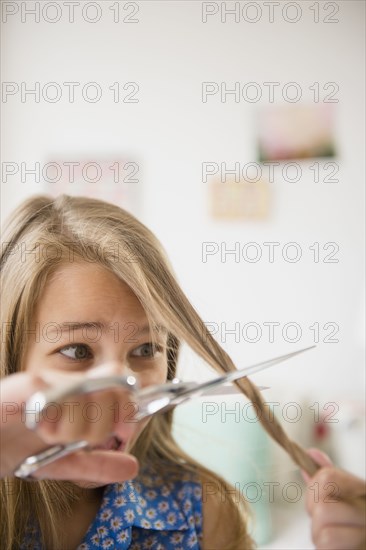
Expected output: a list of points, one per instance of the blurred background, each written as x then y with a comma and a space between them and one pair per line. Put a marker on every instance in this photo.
235, 131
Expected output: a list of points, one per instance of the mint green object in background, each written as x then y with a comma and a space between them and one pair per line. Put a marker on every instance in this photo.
218, 433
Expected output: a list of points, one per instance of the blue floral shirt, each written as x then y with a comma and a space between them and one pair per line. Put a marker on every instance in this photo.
148, 512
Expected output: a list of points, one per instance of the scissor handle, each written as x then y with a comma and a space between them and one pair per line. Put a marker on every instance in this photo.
34, 462
38, 402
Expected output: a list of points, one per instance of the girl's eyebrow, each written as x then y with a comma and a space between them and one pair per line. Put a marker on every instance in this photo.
75, 325
69, 326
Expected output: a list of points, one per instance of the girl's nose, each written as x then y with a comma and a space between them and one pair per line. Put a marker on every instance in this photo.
112, 368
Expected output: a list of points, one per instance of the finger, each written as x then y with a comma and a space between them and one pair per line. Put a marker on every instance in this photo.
340, 513
321, 458
334, 537
345, 485
92, 417
14, 391
94, 466
332, 484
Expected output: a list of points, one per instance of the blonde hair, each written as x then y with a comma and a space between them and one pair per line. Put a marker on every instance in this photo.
47, 231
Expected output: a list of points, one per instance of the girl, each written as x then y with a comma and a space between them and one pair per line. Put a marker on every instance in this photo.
87, 290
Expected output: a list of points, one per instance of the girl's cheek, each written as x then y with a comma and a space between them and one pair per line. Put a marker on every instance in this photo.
56, 376
156, 375
142, 425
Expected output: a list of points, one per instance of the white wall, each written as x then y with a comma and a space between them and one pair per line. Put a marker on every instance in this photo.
170, 132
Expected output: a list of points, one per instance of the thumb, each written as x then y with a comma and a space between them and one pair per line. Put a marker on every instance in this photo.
321, 458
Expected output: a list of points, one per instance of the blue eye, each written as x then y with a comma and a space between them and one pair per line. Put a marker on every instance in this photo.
146, 350
77, 352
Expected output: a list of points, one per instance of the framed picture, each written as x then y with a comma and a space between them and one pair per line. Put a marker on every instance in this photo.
288, 132
243, 200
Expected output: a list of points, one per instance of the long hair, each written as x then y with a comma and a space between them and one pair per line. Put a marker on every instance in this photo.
42, 234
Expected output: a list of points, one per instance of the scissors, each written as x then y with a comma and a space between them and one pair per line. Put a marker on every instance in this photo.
149, 401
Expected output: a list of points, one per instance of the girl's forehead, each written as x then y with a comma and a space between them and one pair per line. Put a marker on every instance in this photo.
76, 276
88, 289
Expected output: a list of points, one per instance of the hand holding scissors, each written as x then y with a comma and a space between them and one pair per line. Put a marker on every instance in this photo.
17, 442
147, 401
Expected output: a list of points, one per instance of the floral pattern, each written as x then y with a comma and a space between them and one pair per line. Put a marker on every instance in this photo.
148, 512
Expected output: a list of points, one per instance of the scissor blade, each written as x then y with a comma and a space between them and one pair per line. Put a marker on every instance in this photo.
230, 389
236, 375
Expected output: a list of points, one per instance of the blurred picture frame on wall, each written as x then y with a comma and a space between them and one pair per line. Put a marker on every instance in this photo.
296, 131
239, 200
